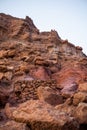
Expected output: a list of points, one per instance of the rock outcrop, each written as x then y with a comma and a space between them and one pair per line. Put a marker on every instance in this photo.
42, 77
11, 27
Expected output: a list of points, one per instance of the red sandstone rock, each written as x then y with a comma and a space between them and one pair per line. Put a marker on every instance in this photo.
30, 59
41, 73
67, 76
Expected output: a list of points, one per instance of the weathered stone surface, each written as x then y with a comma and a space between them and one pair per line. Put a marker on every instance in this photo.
39, 115
12, 125
69, 89
3, 53
70, 74
14, 27
67, 108
8, 75
49, 95
81, 113
30, 60
83, 87
79, 97
41, 73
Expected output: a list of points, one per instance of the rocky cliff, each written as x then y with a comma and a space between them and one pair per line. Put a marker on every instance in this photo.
43, 79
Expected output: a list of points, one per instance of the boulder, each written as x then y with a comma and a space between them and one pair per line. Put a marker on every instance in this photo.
40, 115
49, 95
81, 113
79, 97
34, 65
69, 89
83, 87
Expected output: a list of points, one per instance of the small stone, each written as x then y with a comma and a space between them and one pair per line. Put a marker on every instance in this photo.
8, 75
1, 75
79, 97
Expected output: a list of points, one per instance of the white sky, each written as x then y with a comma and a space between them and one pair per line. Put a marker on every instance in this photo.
67, 17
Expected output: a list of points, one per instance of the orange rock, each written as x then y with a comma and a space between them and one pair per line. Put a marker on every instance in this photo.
40, 115
83, 87
79, 97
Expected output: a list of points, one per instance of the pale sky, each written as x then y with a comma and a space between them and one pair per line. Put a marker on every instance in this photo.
67, 17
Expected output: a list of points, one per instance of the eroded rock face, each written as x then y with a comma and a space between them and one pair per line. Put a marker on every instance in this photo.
40, 66
11, 27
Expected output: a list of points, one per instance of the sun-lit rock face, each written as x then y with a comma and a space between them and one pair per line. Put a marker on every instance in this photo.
11, 27
42, 67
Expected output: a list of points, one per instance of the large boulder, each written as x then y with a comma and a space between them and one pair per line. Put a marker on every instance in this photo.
39, 115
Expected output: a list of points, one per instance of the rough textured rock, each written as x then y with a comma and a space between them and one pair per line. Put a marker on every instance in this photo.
66, 107
12, 125
15, 27
79, 97
41, 73
81, 113
69, 89
41, 66
49, 95
83, 87
39, 115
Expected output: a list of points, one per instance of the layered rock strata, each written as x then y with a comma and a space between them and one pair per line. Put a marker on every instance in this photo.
43, 79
